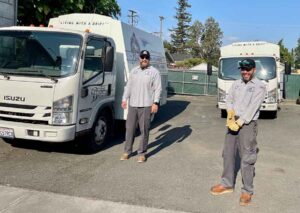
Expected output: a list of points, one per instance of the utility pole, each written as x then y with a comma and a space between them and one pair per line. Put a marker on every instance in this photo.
133, 17
161, 18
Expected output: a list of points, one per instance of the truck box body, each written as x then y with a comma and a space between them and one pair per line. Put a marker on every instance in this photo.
60, 81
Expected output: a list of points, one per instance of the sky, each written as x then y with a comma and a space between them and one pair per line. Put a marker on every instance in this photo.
264, 20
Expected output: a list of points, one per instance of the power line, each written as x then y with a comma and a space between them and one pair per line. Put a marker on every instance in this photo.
133, 17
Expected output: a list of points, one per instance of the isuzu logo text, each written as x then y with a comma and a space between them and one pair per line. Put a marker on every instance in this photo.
14, 98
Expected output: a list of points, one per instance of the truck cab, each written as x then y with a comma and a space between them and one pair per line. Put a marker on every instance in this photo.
53, 83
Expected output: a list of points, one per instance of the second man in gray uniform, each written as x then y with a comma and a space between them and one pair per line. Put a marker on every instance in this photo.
243, 103
142, 91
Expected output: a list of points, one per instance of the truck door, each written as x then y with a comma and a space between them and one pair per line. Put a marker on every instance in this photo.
96, 86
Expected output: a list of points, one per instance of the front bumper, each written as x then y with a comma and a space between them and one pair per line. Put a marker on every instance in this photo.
41, 132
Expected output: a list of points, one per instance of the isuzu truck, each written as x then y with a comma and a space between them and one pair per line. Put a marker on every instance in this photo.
268, 69
67, 79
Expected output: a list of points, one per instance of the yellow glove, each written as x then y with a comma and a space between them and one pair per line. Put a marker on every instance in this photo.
233, 126
230, 117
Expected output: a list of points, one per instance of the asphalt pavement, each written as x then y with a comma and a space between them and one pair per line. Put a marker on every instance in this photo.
184, 161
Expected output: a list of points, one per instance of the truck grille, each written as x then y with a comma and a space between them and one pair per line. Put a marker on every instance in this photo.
16, 114
25, 113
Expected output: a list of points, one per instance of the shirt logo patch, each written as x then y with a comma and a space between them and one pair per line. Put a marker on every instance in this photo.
251, 89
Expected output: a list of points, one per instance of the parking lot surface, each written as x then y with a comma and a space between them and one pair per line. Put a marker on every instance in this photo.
184, 161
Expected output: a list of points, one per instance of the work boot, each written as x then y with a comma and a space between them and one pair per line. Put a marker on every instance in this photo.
245, 199
220, 189
124, 156
141, 159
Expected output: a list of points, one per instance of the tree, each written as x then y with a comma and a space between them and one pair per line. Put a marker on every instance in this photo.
179, 34
39, 12
211, 41
285, 55
195, 34
297, 55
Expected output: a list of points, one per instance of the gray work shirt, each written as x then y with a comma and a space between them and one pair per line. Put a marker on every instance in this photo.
143, 87
246, 98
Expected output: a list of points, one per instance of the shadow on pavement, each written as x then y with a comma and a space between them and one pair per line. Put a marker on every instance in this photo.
169, 111
166, 112
167, 138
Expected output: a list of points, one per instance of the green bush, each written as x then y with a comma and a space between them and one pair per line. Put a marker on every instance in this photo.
191, 62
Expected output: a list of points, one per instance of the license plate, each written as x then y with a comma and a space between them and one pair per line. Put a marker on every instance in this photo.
6, 133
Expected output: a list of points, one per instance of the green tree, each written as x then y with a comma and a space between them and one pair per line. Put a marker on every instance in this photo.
297, 55
168, 46
285, 55
211, 41
179, 34
40, 11
195, 34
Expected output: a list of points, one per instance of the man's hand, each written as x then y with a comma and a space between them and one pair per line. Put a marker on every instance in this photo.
233, 126
230, 117
154, 108
124, 104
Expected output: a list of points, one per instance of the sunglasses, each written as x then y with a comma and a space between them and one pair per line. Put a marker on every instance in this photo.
144, 57
246, 69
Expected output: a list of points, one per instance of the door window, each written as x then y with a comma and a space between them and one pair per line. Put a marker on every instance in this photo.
93, 61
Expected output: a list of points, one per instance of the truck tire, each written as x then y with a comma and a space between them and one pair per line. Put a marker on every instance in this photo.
99, 133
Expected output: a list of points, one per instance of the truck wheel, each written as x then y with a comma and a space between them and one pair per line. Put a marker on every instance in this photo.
99, 133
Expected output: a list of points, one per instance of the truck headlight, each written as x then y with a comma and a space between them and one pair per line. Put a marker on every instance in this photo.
272, 96
221, 95
62, 111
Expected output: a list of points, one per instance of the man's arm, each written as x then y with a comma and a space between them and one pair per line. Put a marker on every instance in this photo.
126, 94
229, 98
157, 92
157, 87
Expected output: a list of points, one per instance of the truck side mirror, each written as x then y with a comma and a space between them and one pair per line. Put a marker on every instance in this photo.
209, 68
287, 68
109, 59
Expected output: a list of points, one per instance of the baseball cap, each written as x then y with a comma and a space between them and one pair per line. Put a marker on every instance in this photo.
247, 63
145, 53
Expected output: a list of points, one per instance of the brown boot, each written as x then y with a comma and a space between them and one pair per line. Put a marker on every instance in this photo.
245, 199
141, 159
124, 156
220, 189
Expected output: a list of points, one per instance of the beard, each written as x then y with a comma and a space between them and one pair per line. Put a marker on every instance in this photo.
144, 65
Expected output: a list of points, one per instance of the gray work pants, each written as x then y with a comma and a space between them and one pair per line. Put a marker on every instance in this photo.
142, 116
245, 142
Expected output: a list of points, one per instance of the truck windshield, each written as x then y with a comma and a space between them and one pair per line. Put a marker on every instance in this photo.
48, 54
265, 68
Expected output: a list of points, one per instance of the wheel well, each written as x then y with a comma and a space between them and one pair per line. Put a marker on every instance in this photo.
108, 111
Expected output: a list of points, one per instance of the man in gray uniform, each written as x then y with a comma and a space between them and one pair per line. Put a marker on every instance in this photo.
243, 103
142, 92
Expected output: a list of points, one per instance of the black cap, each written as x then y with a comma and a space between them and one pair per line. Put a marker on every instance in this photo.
247, 63
145, 53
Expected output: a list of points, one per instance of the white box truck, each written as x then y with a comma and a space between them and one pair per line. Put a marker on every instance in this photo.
268, 70
67, 79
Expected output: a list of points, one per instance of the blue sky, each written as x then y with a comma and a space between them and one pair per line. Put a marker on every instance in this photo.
267, 20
